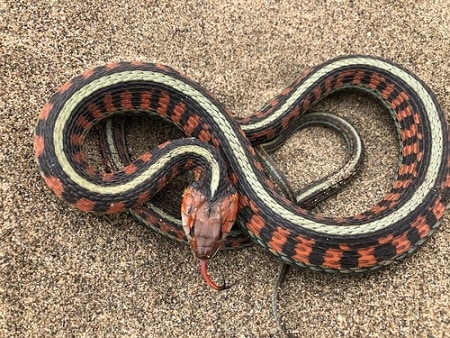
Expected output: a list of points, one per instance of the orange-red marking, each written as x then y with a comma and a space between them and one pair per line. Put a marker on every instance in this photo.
38, 145
116, 207
83, 122
84, 204
163, 103
279, 238
146, 157
303, 249
438, 209
87, 74
64, 87
95, 110
408, 133
367, 257
375, 80
76, 139
109, 103
332, 258
143, 196
401, 243
358, 77
386, 92
130, 169
107, 177
178, 112
43, 115
55, 185
78, 157
111, 65
192, 122
125, 100
145, 100
255, 224
204, 136
420, 224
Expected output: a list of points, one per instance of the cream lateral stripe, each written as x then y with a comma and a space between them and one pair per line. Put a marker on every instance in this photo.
246, 167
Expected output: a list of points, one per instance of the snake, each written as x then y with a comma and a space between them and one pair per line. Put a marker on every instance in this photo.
229, 180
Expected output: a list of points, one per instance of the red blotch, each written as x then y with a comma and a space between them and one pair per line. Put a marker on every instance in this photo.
76, 139
332, 258
130, 169
386, 92
279, 238
65, 87
79, 157
114, 208
87, 74
142, 198
111, 66
107, 177
385, 240
191, 124
367, 257
255, 224
145, 100
95, 111
163, 104
109, 103
83, 122
125, 100
84, 205
421, 225
55, 185
178, 112
401, 243
146, 157
303, 249
438, 209
358, 77
43, 115
38, 145
375, 80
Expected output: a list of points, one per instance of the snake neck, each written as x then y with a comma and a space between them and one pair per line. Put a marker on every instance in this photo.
208, 209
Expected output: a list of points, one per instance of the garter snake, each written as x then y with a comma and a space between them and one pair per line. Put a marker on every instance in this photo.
390, 230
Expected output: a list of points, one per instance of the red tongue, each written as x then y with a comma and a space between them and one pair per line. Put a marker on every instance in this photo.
208, 280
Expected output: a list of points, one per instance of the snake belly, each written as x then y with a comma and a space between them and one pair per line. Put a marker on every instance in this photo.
390, 230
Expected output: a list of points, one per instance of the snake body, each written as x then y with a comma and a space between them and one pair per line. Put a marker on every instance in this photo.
390, 230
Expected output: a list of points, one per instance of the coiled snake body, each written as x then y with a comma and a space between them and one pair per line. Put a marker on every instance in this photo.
229, 178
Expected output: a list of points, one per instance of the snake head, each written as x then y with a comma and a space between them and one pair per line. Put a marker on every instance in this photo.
206, 222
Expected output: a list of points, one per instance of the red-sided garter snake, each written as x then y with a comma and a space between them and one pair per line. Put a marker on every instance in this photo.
390, 230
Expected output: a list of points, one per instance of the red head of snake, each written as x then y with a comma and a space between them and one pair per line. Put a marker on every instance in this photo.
206, 223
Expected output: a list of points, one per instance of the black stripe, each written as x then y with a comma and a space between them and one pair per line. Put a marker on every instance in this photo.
384, 251
316, 255
349, 259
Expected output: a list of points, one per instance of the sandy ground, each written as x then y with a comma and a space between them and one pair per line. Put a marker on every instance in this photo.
65, 273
